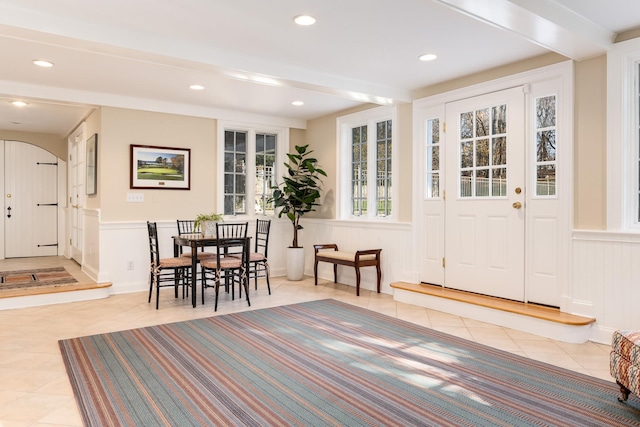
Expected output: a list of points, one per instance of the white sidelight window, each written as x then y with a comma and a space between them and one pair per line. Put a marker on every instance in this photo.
366, 157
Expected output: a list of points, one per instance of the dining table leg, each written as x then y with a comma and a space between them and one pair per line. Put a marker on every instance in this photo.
194, 265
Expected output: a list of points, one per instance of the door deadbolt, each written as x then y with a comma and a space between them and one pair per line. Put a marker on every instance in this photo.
518, 190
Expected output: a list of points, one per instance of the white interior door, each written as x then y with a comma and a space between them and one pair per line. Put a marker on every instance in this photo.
31, 201
76, 191
485, 177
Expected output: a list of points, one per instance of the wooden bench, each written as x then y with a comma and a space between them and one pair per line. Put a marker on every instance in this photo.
368, 258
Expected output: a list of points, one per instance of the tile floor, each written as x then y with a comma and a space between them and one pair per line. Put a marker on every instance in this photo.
35, 391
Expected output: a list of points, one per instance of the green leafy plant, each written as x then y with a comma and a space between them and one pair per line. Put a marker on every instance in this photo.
300, 190
205, 217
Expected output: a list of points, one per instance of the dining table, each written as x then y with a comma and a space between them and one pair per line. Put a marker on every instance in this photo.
197, 241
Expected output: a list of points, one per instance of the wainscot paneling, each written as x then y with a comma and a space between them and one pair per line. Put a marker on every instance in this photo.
123, 244
605, 282
395, 240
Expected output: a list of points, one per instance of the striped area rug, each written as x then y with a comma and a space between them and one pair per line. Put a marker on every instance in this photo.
324, 363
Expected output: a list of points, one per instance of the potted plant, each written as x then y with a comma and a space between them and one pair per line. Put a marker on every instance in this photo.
207, 223
297, 195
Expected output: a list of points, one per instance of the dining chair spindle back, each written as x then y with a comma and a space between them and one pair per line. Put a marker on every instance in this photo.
259, 266
231, 269
166, 272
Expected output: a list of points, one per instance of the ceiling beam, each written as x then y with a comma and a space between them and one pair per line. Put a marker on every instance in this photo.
543, 22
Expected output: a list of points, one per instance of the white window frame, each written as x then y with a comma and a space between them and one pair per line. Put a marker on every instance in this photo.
623, 137
282, 147
370, 118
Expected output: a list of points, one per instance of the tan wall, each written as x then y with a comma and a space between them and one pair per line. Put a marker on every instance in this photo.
321, 135
55, 144
119, 129
296, 137
590, 144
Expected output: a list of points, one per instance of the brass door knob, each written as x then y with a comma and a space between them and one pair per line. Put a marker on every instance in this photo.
517, 205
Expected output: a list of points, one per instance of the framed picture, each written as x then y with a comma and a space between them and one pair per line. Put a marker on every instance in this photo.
160, 167
92, 164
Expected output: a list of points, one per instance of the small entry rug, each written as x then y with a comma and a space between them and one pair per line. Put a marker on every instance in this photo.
324, 363
36, 278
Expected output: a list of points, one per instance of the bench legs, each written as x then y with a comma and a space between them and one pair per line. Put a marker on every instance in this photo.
378, 271
335, 273
335, 276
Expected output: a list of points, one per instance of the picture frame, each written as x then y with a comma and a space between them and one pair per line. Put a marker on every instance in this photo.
92, 165
163, 168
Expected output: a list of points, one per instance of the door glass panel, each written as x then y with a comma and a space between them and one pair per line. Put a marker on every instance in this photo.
466, 181
546, 145
546, 180
483, 160
499, 150
466, 155
466, 125
546, 112
482, 183
435, 159
432, 184
482, 153
499, 182
499, 119
482, 122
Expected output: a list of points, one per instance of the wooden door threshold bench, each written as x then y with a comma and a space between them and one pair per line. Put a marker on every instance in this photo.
330, 253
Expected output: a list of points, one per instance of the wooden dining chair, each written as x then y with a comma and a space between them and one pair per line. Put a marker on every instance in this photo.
166, 272
230, 269
187, 226
232, 229
227, 230
259, 266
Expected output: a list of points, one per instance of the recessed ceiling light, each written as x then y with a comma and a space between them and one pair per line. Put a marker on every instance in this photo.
304, 20
297, 103
196, 87
428, 57
41, 63
19, 103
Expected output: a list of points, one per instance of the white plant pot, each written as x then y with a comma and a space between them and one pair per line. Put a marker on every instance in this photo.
295, 263
209, 228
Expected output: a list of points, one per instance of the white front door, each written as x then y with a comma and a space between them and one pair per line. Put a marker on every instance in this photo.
30, 201
485, 194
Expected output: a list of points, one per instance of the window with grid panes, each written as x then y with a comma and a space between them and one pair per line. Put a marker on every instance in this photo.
265, 168
432, 186
235, 172
546, 162
383, 168
366, 158
359, 170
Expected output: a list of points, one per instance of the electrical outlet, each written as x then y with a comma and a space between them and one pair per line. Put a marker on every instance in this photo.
129, 265
135, 197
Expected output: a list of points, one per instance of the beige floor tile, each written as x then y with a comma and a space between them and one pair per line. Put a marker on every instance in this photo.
35, 391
